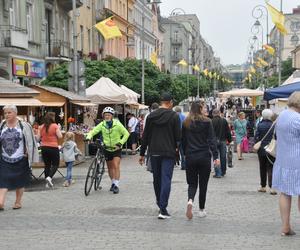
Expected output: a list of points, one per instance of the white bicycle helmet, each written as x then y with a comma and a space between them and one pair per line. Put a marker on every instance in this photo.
108, 110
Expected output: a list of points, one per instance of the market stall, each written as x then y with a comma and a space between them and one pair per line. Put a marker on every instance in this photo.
23, 97
70, 110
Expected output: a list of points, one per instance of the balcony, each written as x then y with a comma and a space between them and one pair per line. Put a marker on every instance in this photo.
67, 5
176, 41
11, 36
58, 48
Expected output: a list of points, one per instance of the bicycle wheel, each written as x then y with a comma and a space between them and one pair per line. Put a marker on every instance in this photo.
99, 174
90, 177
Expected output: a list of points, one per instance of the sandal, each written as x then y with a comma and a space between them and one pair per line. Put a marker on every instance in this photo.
17, 206
289, 233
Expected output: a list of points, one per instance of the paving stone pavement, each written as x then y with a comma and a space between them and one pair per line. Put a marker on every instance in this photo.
63, 218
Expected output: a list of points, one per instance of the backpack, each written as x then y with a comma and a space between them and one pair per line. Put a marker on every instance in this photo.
138, 128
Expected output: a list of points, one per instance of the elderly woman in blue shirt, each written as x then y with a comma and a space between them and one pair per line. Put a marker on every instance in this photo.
286, 171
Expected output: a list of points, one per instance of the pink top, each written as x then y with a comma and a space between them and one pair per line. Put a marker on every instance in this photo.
49, 139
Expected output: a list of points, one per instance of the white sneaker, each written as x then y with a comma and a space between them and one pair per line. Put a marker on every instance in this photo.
49, 181
189, 210
47, 185
202, 213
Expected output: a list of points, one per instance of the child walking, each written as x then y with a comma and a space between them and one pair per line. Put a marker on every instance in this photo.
70, 150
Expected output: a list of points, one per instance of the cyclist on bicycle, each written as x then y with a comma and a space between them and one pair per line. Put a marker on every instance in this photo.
114, 135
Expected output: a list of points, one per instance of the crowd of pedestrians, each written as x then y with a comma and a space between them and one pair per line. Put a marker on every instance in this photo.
198, 142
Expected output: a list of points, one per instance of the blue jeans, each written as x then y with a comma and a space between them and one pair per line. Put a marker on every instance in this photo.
162, 168
222, 148
69, 166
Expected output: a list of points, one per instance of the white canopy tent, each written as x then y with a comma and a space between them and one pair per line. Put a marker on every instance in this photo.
132, 97
241, 92
105, 91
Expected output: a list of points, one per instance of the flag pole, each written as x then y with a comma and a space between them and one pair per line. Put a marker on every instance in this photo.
279, 51
75, 53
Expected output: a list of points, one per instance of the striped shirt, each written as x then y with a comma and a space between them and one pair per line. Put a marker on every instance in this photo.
286, 172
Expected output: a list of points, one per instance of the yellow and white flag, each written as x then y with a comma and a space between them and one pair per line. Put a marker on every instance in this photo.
153, 58
270, 49
262, 62
277, 18
108, 29
183, 63
205, 72
196, 68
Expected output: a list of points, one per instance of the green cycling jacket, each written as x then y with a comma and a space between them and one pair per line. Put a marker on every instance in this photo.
117, 134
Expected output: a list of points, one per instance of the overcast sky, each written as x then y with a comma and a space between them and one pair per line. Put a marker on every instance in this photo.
225, 24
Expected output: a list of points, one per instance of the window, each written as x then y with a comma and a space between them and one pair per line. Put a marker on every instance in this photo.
29, 21
81, 38
90, 38
13, 13
176, 36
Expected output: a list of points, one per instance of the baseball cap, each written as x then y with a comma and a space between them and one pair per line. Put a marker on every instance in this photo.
166, 97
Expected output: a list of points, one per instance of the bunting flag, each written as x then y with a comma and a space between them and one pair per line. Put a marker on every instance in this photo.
270, 49
182, 63
262, 62
215, 75
258, 64
108, 29
277, 18
196, 68
205, 72
210, 75
153, 58
252, 70
218, 77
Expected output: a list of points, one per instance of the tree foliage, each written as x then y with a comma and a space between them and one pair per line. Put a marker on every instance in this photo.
128, 72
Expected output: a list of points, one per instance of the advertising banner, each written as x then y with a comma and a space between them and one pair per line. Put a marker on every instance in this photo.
28, 68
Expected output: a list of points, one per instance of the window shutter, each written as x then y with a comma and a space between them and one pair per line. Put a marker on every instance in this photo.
12, 17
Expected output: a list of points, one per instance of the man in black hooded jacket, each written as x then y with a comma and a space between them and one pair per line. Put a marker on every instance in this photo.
162, 136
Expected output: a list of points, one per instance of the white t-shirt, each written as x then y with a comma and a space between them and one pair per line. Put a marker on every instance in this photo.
12, 144
132, 124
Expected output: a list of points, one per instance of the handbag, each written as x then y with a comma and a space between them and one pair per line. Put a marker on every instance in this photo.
245, 145
257, 145
271, 147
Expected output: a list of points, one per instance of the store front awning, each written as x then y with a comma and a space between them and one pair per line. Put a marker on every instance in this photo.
20, 102
84, 104
52, 104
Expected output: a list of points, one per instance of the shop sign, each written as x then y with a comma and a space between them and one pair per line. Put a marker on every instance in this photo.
28, 68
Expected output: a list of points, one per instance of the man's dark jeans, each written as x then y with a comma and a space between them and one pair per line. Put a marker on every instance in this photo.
222, 148
162, 168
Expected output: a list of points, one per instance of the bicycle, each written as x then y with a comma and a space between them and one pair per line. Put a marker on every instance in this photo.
95, 171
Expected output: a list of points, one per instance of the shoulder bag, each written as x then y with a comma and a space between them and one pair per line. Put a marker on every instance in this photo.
257, 145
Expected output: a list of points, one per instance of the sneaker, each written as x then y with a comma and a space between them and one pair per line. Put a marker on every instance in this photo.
217, 176
72, 181
273, 191
262, 190
49, 181
189, 210
66, 184
47, 185
163, 214
112, 187
116, 189
202, 213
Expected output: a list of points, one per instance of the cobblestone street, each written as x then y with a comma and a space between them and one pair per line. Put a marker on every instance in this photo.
63, 218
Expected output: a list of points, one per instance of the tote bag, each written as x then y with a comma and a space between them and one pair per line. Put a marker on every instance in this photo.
245, 145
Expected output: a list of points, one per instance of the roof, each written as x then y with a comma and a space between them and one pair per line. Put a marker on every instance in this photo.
105, 91
8, 88
67, 94
29, 101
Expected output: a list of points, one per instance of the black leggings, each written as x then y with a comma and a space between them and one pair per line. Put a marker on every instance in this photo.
51, 160
266, 170
198, 170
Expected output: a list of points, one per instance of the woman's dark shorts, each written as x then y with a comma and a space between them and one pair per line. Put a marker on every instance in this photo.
109, 155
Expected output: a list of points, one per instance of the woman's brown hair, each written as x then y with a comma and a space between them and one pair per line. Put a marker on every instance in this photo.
196, 114
48, 120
